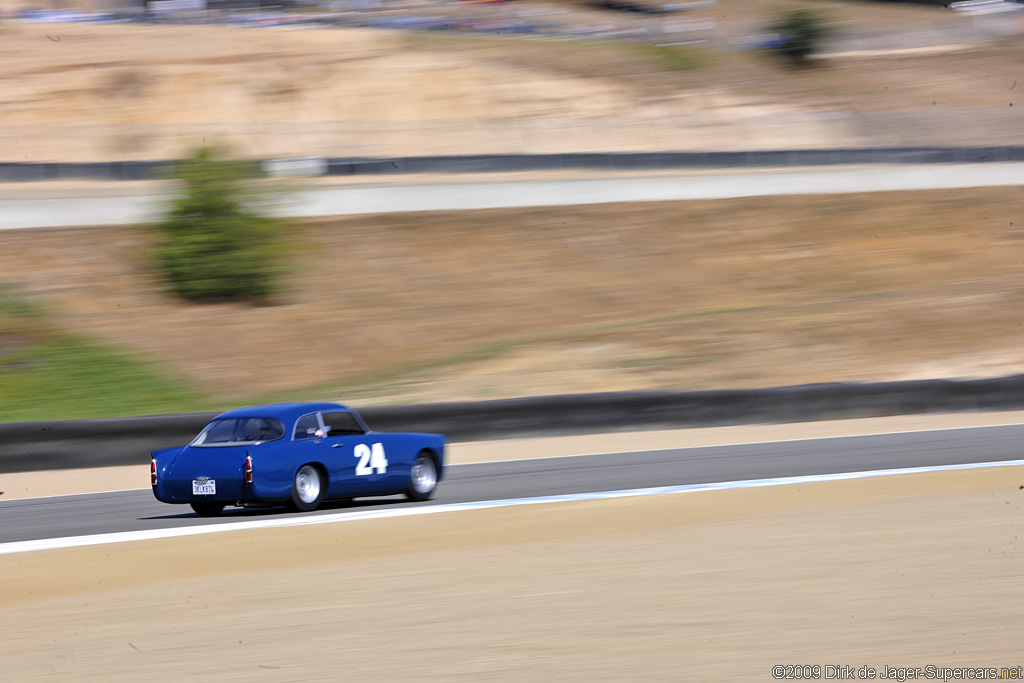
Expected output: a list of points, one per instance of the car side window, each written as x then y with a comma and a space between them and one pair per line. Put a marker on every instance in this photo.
260, 429
342, 424
306, 426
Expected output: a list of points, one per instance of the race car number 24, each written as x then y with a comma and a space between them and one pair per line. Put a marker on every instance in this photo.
370, 459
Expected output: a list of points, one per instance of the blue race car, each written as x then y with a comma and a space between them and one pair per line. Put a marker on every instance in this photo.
295, 454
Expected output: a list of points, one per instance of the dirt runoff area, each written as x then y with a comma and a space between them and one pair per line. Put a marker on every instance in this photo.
903, 571
906, 571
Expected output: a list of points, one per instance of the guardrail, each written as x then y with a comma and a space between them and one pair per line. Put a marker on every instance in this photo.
35, 446
11, 172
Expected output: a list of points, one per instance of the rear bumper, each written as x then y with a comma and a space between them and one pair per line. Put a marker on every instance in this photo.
176, 492
238, 492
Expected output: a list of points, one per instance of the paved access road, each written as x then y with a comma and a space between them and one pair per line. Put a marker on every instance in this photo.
126, 206
99, 513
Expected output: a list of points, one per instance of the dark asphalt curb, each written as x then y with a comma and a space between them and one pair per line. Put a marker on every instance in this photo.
31, 446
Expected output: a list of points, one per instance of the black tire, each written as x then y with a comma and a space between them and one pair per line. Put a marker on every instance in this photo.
308, 489
422, 478
207, 508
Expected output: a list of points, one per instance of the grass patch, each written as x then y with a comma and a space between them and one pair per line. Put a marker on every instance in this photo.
17, 309
674, 57
46, 375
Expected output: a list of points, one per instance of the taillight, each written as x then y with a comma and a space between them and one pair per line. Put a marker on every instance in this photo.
248, 469
152, 472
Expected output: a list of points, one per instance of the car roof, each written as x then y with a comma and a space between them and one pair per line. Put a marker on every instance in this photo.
288, 412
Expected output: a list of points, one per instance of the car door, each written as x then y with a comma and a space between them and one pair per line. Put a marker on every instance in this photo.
359, 460
307, 445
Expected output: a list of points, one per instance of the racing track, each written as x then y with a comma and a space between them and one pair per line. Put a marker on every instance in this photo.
99, 513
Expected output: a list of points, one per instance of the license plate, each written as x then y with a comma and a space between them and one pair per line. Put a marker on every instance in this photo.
204, 488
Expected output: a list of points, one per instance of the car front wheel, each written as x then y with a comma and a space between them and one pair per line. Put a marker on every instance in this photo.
422, 479
308, 489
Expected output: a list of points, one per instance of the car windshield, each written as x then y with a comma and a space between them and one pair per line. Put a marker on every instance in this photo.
239, 431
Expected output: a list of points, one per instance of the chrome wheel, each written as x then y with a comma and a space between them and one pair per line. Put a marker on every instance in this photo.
307, 484
422, 478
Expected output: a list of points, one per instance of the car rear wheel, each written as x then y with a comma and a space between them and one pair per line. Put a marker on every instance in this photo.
308, 489
422, 478
207, 508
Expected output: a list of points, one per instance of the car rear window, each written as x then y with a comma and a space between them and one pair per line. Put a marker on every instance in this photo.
239, 431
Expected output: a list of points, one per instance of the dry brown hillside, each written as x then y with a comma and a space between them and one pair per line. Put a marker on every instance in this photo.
97, 92
481, 304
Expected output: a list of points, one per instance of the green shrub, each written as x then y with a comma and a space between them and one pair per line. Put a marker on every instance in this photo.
214, 245
801, 35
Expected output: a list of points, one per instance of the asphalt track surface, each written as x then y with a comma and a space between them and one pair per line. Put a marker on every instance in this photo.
98, 513
119, 206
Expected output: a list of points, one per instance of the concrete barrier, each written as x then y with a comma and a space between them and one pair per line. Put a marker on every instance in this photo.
297, 166
498, 163
98, 443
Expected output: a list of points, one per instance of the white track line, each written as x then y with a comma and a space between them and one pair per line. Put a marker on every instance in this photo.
145, 535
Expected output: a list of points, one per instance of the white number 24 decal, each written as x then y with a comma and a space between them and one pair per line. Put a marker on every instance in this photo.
370, 459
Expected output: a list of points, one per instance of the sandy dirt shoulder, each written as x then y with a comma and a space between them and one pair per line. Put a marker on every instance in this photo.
911, 570
67, 482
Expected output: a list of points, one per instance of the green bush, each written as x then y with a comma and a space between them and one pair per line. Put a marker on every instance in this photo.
214, 245
801, 35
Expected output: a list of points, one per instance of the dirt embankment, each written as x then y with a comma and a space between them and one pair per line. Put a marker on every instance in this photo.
116, 92
487, 304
